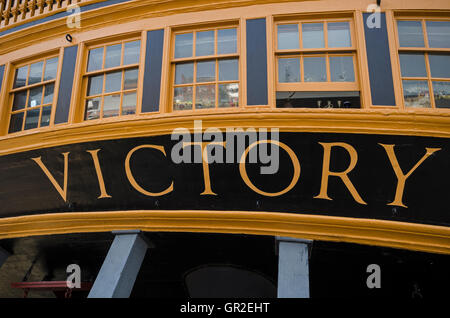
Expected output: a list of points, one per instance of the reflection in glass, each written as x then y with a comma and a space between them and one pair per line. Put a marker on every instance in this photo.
45, 117
32, 119
287, 36
51, 67
182, 98
131, 52
183, 45
229, 70
129, 103
416, 94
204, 43
21, 77
438, 34
48, 93
410, 33
95, 85
315, 69
206, 71
20, 99
16, 122
228, 95
111, 105
113, 82
439, 65
93, 108
312, 34
205, 96
113, 55
288, 70
35, 73
35, 97
441, 92
339, 34
413, 65
227, 41
184, 73
341, 69
131, 79
95, 61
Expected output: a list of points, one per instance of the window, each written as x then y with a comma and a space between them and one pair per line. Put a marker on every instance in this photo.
32, 94
205, 68
424, 54
316, 64
111, 80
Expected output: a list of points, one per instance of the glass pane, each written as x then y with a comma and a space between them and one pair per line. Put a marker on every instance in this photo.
416, 94
228, 95
413, 65
111, 105
442, 94
410, 33
51, 68
206, 71
20, 100
32, 119
204, 43
16, 122
315, 69
339, 34
48, 93
182, 98
183, 45
93, 108
131, 79
229, 70
184, 73
439, 65
341, 69
45, 118
95, 59
227, 41
35, 96
131, 52
312, 34
113, 82
113, 55
35, 73
129, 103
205, 96
438, 34
95, 85
289, 70
21, 77
288, 36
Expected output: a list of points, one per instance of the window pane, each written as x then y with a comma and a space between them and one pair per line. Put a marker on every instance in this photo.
229, 70
438, 34
129, 103
95, 85
21, 77
339, 34
111, 105
416, 94
113, 82
35, 73
289, 70
93, 108
439, 65
35, 96
131, 79
183, 45
413, 65
312, 34
441, 92
95, 59
32, 119
204, 43
184, 73
182, 98
228, 95
45, 118
205, 96
131, 52
20, 100
410, 33
341, 69
288, 36
206, 71
51, 67
16, 122
315, 69
48, 93
113, 55
227, 41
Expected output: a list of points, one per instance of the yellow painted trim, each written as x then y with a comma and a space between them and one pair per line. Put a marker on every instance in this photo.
410, 236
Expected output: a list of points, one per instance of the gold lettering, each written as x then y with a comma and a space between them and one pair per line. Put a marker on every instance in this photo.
98, 170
